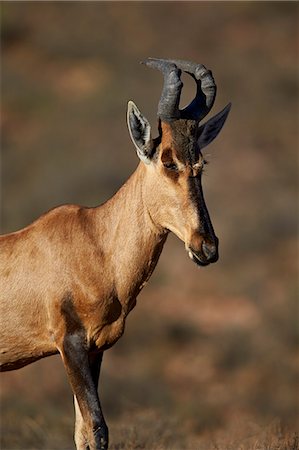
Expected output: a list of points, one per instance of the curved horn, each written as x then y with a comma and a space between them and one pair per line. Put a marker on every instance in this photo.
168, 108
206, 90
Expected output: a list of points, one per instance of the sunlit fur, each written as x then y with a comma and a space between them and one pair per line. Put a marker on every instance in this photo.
69, 280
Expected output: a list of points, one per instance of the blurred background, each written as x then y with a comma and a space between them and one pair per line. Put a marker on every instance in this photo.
209, 358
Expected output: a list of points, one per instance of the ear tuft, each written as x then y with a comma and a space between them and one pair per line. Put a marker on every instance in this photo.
140, 132
210, 130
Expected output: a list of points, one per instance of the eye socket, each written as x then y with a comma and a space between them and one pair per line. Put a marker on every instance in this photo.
170, 165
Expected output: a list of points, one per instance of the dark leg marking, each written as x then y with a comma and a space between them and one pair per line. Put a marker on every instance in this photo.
83, 373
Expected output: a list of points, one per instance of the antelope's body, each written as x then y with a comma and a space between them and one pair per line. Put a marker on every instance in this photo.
68, 280
75, 268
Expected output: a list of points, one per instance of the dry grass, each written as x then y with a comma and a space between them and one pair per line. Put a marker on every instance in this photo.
153, 434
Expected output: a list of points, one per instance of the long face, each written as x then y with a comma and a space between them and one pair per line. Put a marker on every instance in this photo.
178, 167
174, 162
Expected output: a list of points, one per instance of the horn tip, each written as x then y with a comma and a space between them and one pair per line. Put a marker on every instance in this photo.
148, 59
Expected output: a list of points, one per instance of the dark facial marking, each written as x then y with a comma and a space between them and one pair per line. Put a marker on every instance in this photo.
197, 198
170, 167
167, 156
184, 139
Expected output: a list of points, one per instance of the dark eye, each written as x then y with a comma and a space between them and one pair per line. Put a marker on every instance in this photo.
170, 166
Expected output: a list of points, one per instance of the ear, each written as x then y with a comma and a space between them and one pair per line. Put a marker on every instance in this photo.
140, 132
209, 130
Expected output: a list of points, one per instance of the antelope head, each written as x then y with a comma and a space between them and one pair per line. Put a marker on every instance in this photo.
174, 162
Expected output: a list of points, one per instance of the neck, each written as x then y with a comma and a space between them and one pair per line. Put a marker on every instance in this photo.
132, 242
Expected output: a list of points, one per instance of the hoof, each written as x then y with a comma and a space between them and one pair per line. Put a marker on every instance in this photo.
101, 437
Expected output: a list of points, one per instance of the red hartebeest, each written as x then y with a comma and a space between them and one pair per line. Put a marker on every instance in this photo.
69, 279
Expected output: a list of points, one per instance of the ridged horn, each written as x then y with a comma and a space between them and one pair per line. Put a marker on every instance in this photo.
200, 106
206, 89
168, 108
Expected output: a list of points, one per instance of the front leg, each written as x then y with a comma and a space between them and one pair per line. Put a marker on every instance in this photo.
81, 438
75, 357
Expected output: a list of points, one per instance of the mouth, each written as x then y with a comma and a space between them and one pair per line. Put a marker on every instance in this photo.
198, 259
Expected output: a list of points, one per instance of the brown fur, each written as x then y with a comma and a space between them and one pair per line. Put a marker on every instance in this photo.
91, 255
69, 280
182, 136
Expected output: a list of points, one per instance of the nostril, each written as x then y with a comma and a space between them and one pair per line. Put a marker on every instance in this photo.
209, 250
